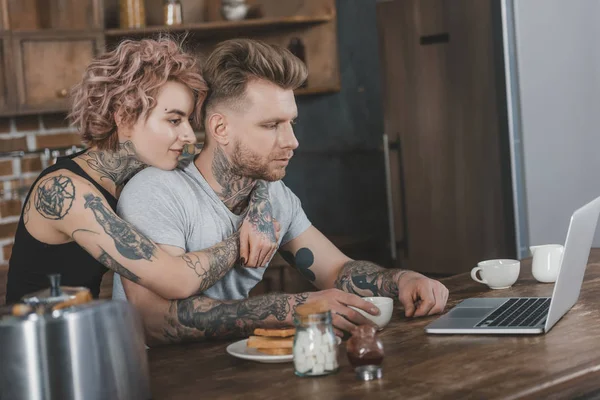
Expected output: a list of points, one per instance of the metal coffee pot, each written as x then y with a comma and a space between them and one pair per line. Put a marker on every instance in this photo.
60, 344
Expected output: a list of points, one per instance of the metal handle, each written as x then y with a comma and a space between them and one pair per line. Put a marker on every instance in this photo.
388, 189
62, 93
54, 285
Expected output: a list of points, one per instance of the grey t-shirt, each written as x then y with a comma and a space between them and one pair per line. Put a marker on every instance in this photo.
179, 208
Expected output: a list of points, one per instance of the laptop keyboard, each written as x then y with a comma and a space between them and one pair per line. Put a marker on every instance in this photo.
517, 312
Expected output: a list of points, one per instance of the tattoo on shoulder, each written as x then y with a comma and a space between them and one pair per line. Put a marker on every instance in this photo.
302, 261
26, 212
54, 197
111, 263
128, 241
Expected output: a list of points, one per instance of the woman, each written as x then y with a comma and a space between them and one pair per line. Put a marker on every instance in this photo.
135, 106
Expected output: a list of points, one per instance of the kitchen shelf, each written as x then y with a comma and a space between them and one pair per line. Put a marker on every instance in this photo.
235, 27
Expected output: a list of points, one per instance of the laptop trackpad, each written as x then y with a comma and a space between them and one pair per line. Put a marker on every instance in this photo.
469, 312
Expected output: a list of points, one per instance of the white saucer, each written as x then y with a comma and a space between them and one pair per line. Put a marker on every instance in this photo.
239, 349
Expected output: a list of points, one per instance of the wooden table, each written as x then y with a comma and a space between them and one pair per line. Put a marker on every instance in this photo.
565, 363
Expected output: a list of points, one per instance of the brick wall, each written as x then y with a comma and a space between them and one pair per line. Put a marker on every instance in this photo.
25, 133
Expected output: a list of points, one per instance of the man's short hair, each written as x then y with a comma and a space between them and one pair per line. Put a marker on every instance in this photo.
126, 81
236, 62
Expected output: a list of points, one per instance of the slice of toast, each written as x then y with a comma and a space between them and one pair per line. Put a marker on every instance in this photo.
276, 352
283, 332
263, 342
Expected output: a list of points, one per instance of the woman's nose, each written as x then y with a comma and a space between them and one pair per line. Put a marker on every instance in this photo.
188, 135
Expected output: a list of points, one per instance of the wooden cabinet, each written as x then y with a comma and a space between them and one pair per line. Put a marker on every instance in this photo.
34, 15
48, 43
44, 48
48, 66
313, 23
7, 98
442, 115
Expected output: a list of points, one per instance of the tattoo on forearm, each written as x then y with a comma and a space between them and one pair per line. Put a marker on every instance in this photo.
221, 257
54, 197
302, 261
113, 264
128, 241
117, 166
367, 279
202, 317
260, 212
299, 299
235, 187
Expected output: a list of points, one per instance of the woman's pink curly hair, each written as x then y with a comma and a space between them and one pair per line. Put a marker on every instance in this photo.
125, 81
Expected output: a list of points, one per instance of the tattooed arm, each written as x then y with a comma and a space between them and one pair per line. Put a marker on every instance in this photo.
319, 261
67, 207
200, 317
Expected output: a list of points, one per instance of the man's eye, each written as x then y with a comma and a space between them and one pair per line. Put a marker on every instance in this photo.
271, 126
294, 121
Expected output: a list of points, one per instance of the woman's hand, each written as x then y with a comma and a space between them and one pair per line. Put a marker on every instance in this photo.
259, 233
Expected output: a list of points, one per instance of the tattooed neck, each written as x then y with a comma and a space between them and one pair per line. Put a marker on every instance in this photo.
234, 188
117, 166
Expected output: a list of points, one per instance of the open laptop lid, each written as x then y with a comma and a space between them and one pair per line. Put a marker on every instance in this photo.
575, 258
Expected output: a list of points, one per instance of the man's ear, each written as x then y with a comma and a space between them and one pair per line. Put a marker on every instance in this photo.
217, 128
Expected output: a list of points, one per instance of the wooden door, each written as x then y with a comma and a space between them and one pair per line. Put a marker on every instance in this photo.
48, 66
7, 98
441, 116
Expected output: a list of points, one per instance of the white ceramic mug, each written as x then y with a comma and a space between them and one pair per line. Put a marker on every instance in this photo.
497, 274
385, 305
546, 262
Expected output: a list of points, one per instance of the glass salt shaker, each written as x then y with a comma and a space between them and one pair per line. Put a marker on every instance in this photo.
365, 352
315, 345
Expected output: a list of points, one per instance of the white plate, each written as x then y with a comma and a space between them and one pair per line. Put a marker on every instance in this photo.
241, 350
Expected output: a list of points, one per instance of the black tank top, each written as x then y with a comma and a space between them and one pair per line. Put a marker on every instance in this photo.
31, 260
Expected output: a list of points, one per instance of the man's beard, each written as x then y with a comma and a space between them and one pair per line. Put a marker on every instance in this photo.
248, 164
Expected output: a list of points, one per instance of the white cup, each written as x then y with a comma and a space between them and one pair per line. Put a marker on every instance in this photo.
497, 274
546, 262
385, 305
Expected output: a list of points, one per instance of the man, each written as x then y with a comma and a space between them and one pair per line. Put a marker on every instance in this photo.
249, 116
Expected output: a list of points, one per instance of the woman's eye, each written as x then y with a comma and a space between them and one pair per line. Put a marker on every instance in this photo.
175, 121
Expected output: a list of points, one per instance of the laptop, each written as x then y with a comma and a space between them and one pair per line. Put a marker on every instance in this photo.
529, 315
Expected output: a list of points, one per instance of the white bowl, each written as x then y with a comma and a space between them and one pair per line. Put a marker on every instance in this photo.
385, 305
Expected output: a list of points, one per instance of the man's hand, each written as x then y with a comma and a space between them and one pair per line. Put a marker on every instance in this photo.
420, 295
344, 318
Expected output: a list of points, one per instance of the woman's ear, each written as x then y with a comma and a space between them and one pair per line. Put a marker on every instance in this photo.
122, 128
217, 128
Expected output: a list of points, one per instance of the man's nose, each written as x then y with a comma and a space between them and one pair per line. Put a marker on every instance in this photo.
288, 139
